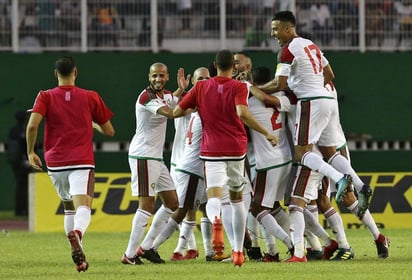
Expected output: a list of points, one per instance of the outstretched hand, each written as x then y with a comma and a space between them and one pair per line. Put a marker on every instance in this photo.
182, 81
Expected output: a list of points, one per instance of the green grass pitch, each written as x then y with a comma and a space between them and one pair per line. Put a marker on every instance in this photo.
25, 255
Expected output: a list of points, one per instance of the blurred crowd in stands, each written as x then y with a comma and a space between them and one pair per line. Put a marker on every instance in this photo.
117, 22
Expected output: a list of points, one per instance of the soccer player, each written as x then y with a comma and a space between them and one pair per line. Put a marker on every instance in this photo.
242, 71
190, 188
303, 69
222, 106
273, 166
70, 115
311, 179
149, 174
181, 125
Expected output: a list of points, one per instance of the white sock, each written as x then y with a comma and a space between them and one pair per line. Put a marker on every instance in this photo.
69, 220
81, 219
238, 224
191, 242
213, 206
367, 220
313, 225
139, 226
272, 227
313, 208
167, 231
313, 240
186, 232
270, 242
341, 164
247, 200
206, 229
253, 228
227, 213
159, 221
316, 163
282, 218
297, 226
336, 224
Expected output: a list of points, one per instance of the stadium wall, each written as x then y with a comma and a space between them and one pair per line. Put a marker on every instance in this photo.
374, 94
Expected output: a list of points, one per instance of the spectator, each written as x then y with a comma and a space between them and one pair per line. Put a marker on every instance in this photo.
104, 23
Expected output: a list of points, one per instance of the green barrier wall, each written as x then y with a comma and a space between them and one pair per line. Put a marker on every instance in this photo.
374, 89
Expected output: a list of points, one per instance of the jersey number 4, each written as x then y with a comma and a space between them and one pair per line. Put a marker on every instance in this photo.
314, 55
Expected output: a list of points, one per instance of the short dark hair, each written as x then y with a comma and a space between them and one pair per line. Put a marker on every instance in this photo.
261, 75
212, 69
246, 54
224, 60
285, 16
65, 65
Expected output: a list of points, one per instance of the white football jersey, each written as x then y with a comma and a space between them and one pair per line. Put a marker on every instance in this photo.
302, 62
181, 125
190, 161
273, 120
149, 138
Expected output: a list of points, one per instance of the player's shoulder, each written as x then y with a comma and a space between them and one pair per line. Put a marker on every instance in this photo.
146, 95
167, 92
299, 44
46, 93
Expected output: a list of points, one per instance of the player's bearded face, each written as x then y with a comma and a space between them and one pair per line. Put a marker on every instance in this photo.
158, 80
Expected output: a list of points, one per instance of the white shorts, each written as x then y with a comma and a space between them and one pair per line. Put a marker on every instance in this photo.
230, 173
270, 185
307, 183
191, 190
173, 174
149, 177
316, 122
73, 182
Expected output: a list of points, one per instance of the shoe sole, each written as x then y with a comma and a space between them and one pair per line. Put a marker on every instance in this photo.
363, 202
125, 260
217, 258
77, 252
297, 260
342, 191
